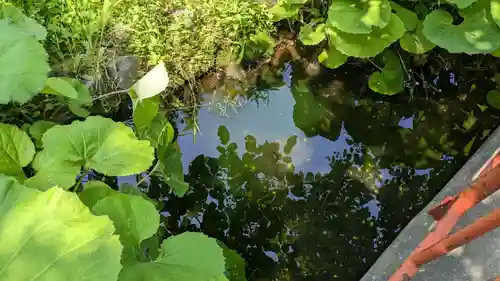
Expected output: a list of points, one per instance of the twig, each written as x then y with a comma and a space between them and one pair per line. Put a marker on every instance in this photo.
111, 94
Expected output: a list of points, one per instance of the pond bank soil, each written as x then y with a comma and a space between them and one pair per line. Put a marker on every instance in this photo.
476, 261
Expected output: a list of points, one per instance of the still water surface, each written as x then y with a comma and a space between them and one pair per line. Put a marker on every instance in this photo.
313, 181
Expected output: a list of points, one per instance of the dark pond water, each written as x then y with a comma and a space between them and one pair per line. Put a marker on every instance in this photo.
319, 175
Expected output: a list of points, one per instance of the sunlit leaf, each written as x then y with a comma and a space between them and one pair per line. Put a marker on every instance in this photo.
24, 64
260, 44
332, 58
285, 9
57, 231
24, 23
16, 150
356, 17
59, 87
50, 171
390, 80
312, 35
99, 143
462, 3
185, 257
366, 45
153, 83
478, 33
78, 110
409, 18
415, 42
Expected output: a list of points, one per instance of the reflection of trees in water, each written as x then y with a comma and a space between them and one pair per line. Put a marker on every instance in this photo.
294, 226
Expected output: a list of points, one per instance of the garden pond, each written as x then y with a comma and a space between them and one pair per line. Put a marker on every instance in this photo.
311, 178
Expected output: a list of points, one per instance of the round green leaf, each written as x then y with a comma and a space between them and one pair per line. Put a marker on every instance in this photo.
59, 87
185, 257
235, 264
99, 143
332, 58
352, 16
170, 167
135, 218
416, 42
56, 235
493, 99
83, 93
462, 3
366, 45
390, 80
312, 36
260, 44
24, 23
283, 10
16, 150
78, 110
478, 33
409, 18
23, 64
290, 143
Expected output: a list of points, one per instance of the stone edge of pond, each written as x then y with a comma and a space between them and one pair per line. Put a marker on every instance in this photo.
479, 260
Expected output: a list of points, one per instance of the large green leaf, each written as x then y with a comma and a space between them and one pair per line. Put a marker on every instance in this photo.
135, 219
223, 134
16, 150
358, 17
409, 18
309, 35
478, 33
390, 80
260, 44
366, 45
59, 87
415, 42
185, 257
51, 171
285, 9
99, 143
24, 23
332, 58
52, 236
23, 64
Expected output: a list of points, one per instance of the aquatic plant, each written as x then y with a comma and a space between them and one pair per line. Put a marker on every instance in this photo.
367, 29
66, 227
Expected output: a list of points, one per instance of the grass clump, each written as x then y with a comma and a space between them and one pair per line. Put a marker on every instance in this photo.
191, 36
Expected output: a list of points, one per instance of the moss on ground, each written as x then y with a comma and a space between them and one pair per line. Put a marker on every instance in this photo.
191, 36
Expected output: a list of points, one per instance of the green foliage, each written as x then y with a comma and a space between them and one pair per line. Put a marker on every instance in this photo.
478, 33
462, 3
259, 45
390, 80
367, 45
22, 22
332, 58
286, 9
223, 134
493, 98
24, 65
184, 257
59, 86
409, 18
415, 42
99, 143
16, 151
39, 128
56, 235
312, 35
356, 17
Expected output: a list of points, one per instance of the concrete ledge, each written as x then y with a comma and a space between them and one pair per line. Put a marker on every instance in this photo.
477, 261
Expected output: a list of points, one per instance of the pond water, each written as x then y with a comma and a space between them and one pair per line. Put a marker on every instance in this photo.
312, 178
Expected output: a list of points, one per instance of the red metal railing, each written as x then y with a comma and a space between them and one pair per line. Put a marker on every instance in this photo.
439, 242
